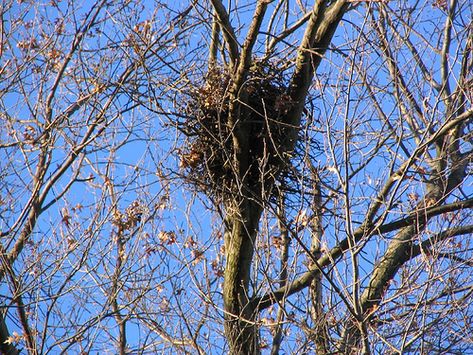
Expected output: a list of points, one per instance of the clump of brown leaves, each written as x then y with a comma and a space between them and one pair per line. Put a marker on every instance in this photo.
130, 219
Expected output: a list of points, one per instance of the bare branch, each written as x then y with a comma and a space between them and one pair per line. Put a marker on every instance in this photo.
320, 29
335, 253
228, 32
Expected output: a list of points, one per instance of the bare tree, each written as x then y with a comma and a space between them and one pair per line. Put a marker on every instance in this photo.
393, 93
76, 170
240, 177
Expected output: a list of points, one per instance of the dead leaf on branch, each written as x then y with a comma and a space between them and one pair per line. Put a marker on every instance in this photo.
168, 238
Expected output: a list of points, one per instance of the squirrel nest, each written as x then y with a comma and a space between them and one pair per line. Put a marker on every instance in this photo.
207, 157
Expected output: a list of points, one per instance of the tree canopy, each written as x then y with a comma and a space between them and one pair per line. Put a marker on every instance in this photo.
236, 177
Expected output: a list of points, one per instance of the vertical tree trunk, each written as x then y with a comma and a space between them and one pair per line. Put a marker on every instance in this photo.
240, 234
321, 337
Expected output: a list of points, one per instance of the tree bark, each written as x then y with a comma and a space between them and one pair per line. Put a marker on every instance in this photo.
240, 316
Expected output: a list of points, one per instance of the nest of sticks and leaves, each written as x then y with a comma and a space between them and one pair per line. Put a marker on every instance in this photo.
207, 157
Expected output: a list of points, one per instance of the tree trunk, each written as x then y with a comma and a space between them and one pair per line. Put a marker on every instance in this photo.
241, 226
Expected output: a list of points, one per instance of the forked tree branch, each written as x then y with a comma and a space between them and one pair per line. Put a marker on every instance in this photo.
227, 30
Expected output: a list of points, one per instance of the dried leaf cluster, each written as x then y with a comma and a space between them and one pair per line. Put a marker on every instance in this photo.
130, 219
